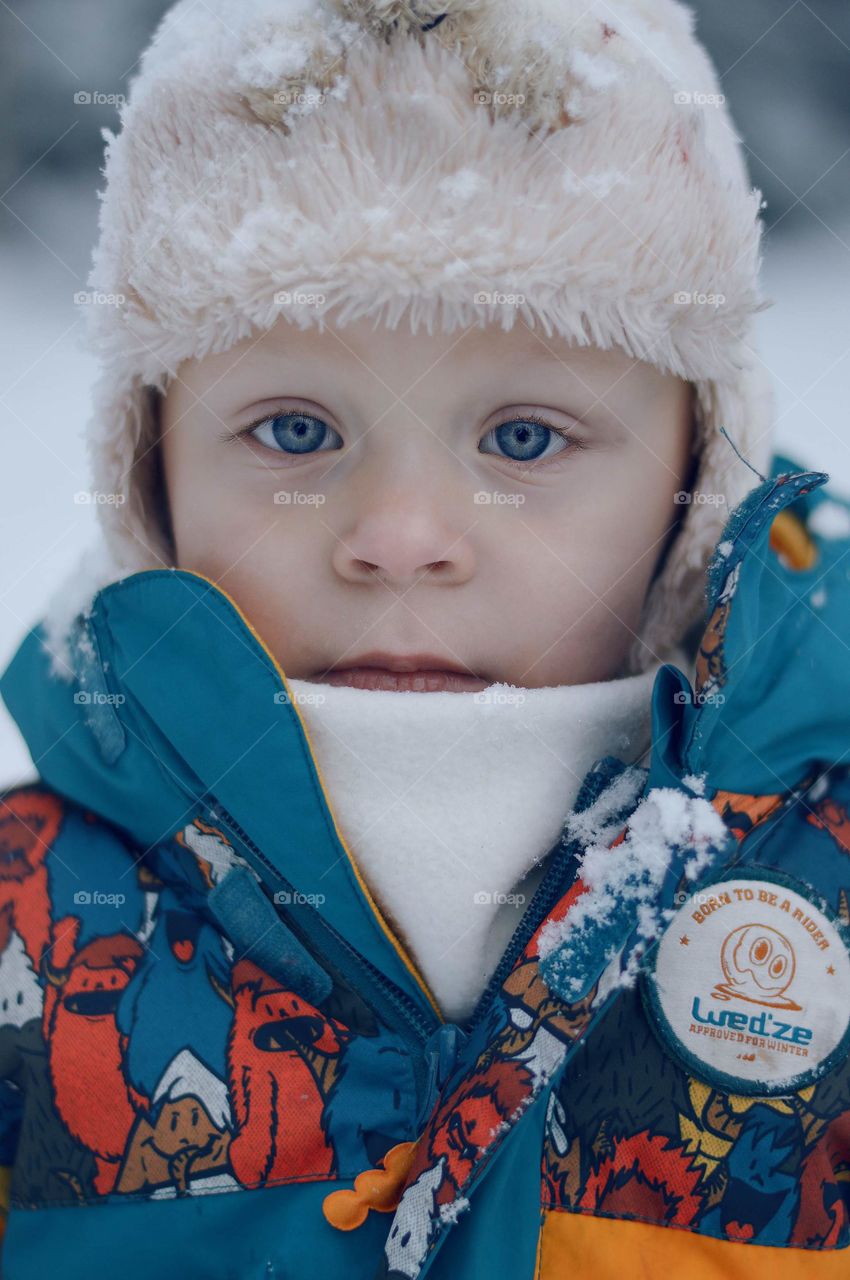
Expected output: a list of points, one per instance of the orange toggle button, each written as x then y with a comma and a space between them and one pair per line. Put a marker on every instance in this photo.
379, 1189
791, 540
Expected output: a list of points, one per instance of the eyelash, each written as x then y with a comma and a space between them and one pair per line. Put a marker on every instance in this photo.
565, 434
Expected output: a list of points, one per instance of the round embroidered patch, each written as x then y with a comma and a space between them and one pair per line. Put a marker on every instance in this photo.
750, 985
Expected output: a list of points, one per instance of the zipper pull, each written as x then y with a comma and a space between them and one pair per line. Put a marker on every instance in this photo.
441, 1054
249, 919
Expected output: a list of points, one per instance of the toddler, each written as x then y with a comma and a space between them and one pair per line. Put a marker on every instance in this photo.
440, 830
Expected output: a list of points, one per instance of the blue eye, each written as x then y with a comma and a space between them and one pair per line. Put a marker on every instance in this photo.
525, 440
295, 433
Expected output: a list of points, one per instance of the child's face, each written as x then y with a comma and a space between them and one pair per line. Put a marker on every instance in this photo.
400, 497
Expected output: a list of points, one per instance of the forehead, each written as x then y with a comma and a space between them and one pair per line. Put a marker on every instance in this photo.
367, 367
487, 348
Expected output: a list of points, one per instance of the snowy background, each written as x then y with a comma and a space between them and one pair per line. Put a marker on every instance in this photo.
785, 70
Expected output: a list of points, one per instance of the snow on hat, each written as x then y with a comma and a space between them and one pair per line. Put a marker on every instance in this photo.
422, 160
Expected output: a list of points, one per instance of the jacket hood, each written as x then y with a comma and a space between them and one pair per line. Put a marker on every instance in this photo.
175, 717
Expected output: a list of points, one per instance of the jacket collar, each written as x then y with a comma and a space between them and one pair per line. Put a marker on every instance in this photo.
176, 703
772, 683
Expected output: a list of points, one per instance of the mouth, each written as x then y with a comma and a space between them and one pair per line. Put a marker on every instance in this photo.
412, 673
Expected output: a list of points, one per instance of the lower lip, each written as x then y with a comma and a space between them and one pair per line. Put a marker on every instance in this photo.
406, 681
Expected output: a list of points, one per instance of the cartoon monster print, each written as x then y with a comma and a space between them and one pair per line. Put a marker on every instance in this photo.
283, 1059
532, 1029
674, 1150
761, 1190
30, 820
408, 1237
539, 1025
645, 1169
85, 1046
211, 849
824, 1216
184, 1137
598, 1131
469, 1120
711, 660
831, 816
178, 1000
742, 813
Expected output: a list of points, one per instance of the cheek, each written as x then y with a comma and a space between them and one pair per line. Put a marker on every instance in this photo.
215, 521
582, 576
273, 576
260, 554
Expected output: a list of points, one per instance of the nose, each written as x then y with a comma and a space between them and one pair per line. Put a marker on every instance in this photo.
404, 537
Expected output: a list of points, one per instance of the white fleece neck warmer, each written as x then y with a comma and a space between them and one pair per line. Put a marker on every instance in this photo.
449, 803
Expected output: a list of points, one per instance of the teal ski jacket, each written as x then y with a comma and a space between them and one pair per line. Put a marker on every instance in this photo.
217, 1061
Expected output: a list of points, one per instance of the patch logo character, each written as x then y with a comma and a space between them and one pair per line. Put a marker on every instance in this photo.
750, 985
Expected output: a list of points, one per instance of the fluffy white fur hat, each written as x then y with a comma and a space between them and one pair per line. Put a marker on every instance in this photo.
422, 159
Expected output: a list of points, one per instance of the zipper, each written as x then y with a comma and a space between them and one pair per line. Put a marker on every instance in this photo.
409, 1020
549, 892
